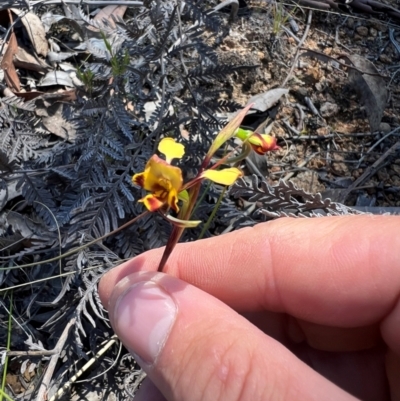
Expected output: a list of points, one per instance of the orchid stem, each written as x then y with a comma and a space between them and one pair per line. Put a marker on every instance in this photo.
178, 231
212, 215
203, 195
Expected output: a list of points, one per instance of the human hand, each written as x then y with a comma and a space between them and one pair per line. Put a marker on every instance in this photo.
244, 315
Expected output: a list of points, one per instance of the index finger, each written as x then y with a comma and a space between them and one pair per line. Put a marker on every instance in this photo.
336, 271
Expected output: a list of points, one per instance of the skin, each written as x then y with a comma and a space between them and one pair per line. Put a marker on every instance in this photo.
280, 311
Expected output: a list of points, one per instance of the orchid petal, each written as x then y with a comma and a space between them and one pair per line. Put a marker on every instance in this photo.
263, 143
171, 149
151, 202
173, 200
226, 133
224, 177
160, 173
163, 180
139, 179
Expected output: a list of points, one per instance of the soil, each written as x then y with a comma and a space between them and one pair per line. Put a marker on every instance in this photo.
341, 145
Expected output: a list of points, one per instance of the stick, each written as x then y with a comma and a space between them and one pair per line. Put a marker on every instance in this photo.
42, 394
85, 367
296, 57
369, 172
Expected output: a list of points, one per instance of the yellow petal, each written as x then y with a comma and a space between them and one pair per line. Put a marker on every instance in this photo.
171, 149
159, 174
257, 139
151, 202
184, 223
224, 177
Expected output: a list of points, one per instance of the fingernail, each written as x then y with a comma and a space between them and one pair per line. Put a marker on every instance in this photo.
144, 316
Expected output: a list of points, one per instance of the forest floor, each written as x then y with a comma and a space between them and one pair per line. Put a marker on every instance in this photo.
338, 126
328, 148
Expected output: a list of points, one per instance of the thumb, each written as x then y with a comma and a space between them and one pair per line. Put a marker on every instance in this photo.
194, 347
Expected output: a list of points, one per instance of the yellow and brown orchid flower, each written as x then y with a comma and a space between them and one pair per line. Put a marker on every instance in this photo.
260, 143
165, 181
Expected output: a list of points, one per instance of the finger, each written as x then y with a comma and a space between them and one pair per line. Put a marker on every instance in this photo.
149, 392
390, 328
337, 271
393, 374
338, 339
361, 373
195, 347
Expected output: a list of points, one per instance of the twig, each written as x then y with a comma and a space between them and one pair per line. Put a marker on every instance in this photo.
254, 167
324, 57
290, 33
46, 279
311, 106
290, 128
300, 124
376, 144
393, 77
302, 164
234, 8
393, 40
13, 318
42, 393
181, 36
84, 368
296, 57
370, 171
337, 41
